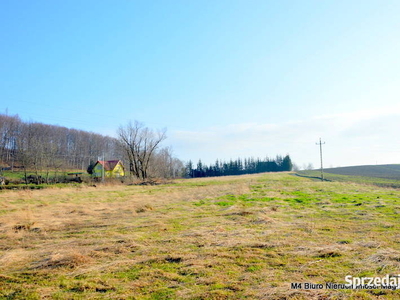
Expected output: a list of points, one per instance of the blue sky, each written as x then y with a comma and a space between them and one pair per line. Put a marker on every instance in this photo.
227, 78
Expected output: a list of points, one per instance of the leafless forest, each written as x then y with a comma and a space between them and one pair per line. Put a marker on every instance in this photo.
39, 147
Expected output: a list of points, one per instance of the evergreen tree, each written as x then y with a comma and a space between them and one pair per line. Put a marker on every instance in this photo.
279, 161
217, 169
199, 170
189, 169
239, 166
286, 164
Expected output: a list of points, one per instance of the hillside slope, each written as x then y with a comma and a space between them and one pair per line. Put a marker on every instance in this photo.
391, 171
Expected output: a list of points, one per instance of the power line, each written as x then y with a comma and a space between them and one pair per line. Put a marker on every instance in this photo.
320, 152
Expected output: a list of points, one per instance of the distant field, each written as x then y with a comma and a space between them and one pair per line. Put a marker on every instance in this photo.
236, 237
379, 171
380, 175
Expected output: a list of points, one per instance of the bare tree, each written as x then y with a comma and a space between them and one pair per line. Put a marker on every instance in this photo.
164, 164
9, 131
308, 167
42, 148
139, 144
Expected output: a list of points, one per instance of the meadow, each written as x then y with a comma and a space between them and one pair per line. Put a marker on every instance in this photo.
236, 237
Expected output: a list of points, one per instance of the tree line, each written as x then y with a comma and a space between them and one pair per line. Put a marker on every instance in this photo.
239, 167
41, 148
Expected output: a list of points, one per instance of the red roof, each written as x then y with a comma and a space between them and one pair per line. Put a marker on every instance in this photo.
109, 165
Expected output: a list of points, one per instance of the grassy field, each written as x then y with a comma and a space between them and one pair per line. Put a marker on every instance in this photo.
231, 237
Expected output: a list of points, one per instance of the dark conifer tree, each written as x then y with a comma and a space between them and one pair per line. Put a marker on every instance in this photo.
189, 169
286, 164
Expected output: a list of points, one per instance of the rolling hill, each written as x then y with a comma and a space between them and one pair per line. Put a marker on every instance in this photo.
380, 175
391, 171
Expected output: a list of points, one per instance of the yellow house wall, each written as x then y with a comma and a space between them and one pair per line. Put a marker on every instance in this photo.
117, 172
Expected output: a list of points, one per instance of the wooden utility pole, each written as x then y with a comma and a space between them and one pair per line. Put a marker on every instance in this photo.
320, 152
103, 170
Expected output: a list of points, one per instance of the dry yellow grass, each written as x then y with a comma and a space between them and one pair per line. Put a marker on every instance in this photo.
213, 238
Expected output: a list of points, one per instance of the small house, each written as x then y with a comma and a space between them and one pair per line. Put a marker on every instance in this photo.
111, 169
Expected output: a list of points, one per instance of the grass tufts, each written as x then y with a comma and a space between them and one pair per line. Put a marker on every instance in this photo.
236, 237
